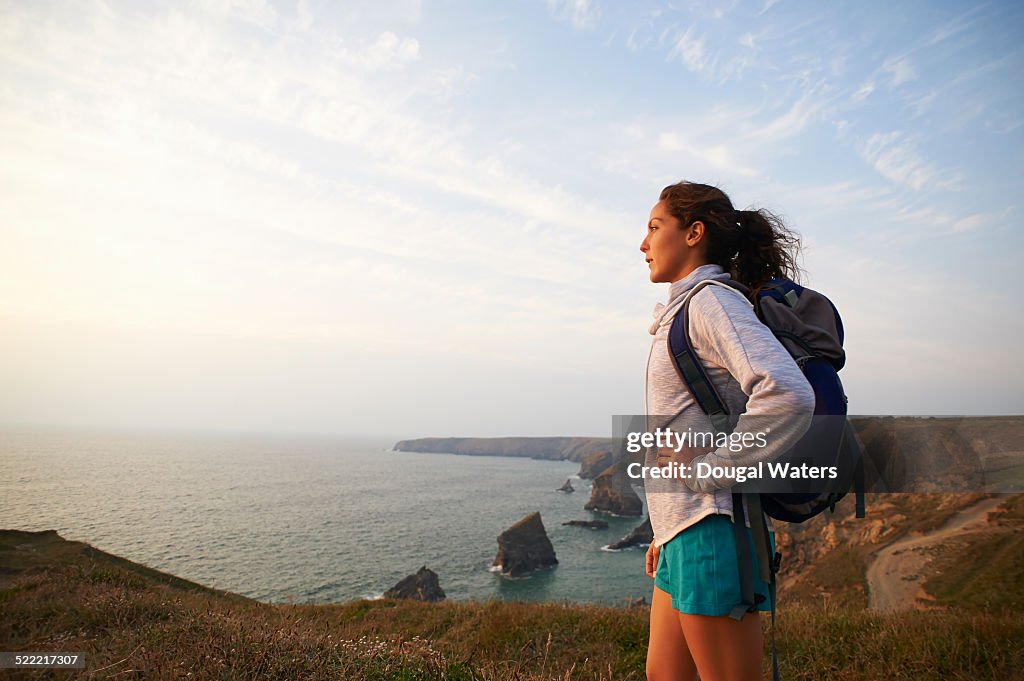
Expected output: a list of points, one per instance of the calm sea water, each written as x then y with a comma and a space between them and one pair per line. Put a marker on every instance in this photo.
310, 520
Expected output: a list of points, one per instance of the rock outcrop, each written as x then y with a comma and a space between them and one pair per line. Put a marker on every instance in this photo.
567, 487
525, 547
642, 535
592, 524
595, 462
421, 586
612, 493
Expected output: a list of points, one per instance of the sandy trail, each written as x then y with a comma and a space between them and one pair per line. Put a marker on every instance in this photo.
895, 576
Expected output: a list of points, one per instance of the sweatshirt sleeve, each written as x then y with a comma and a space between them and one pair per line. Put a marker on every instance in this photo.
726, 332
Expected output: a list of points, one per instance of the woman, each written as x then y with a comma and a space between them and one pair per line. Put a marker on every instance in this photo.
695, 234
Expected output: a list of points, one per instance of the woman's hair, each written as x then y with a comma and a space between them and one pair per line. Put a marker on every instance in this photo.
752, 245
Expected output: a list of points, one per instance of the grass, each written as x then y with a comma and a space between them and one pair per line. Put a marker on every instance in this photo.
984, 571
135, 623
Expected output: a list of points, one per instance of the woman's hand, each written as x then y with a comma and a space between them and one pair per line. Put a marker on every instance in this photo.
652, 559
684, 456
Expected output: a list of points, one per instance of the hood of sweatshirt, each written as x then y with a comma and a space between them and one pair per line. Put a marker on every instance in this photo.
665, 312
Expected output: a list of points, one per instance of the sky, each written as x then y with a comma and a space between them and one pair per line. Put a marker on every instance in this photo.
423, 218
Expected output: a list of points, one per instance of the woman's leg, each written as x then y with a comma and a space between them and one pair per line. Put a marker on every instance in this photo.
668, 658
724, 649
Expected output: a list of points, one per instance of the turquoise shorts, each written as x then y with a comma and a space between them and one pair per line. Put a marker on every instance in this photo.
698, 568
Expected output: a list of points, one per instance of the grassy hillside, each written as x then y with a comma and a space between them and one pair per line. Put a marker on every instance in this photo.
133, 623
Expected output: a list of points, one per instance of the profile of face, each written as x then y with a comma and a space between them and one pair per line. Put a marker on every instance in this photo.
671, 252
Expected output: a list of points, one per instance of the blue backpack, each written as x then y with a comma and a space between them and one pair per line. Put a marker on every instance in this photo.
808, 325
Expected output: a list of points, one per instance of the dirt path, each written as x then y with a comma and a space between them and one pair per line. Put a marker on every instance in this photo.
895, 576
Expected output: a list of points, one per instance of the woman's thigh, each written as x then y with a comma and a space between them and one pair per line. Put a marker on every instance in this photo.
724, 649
668, 658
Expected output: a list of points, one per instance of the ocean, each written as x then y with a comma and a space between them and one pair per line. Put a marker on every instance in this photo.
310, 519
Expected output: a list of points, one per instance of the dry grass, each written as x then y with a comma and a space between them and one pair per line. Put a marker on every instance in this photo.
135, 623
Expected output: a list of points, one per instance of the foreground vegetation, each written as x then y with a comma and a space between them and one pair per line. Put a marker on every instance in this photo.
135, 623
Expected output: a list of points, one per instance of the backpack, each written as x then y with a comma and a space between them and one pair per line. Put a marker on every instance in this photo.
808, 325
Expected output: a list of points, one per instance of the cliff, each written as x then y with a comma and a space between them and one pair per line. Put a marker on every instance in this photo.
551, 448
903, 454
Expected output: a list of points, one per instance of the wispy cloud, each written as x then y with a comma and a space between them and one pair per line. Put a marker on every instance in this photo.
389, 51
895, 158
863, 92
980, 221
955, 26
718, 157
898, 70
580, 13
689, 48
721, 65
803, 112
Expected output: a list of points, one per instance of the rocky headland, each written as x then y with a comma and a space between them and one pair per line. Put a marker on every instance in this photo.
550, 448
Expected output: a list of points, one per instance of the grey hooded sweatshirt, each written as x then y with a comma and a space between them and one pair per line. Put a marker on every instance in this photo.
752, 372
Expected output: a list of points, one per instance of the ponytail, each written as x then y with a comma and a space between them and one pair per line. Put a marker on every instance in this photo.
752, 245
765, 249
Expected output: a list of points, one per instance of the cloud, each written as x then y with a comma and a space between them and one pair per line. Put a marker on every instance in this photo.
980, 220
388, 51
689, 48
899, 70
580, 13
805, 110
955, 26
896, 159
257, 12
863, 92
717, 156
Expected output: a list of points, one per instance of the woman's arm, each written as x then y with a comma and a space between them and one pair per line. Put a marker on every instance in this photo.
780, 401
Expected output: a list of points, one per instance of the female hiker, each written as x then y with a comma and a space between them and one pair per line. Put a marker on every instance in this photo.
694, 234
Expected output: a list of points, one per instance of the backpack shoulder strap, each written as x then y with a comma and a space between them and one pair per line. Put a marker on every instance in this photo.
688, 366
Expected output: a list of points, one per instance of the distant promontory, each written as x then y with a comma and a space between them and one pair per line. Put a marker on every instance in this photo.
550, 448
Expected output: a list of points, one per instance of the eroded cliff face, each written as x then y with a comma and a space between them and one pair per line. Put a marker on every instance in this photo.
612, 493
964, 455
595, 462
827, 557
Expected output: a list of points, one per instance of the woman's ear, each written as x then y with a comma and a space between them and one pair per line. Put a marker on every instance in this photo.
694, 234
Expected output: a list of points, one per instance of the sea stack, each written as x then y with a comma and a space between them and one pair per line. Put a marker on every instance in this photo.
525, 547
612, 493
642, 534
421, 586
567, 487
